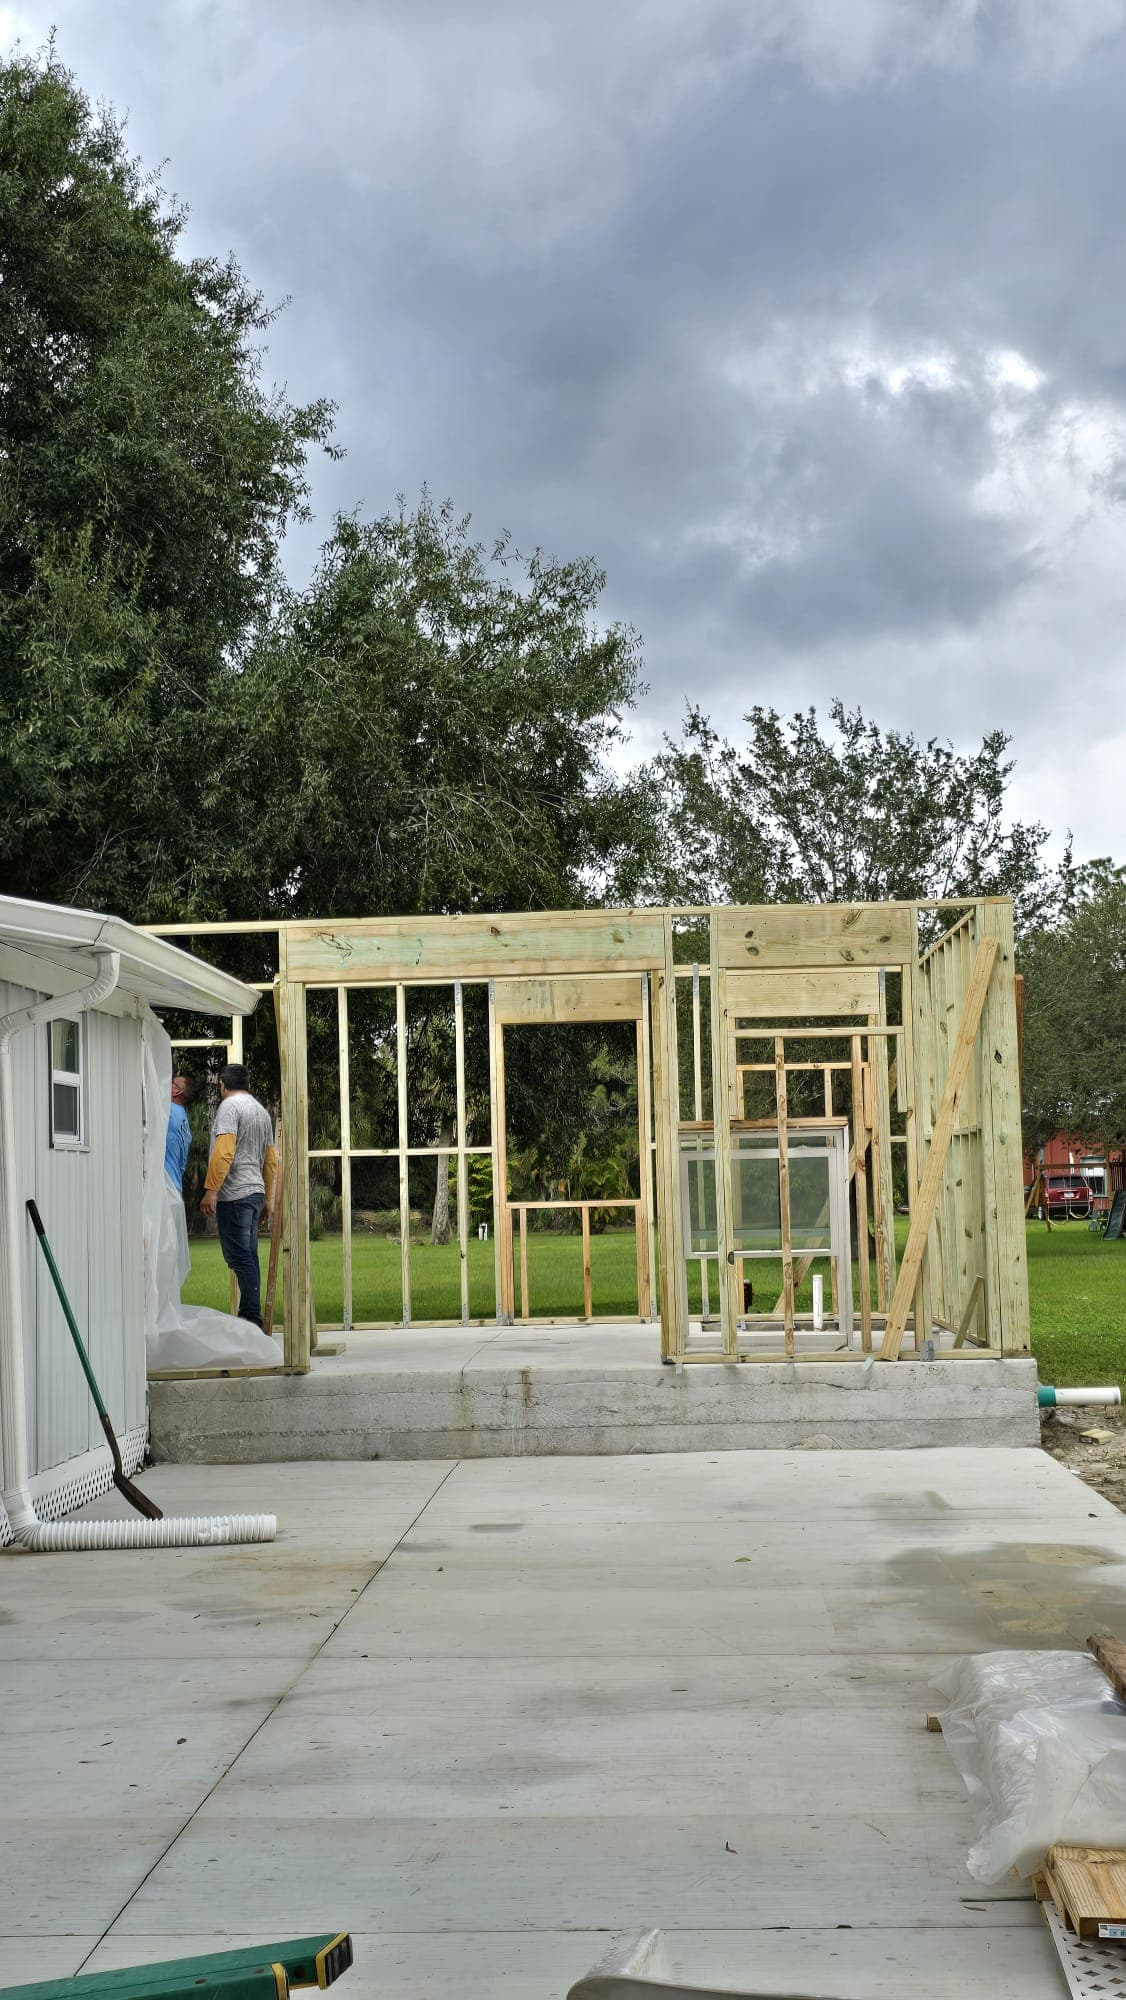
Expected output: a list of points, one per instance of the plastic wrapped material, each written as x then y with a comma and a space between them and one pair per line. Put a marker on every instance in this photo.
1040, 1743
176, 1335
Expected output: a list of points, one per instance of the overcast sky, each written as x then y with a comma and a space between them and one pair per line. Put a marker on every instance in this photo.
807, 318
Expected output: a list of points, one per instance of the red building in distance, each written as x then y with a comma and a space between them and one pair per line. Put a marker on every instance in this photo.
1081, 1177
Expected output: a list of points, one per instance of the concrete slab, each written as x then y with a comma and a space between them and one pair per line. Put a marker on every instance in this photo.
491, 1716
787, 1488
156, 1730
61, 1873
277, 1598
700, 1871
27, 1959
524, 1391
535, 1746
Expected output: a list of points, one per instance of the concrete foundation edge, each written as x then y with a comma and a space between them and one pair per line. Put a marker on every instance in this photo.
552, 1411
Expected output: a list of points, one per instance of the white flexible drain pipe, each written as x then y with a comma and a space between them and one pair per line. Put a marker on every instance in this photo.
137, 1534
28, 1530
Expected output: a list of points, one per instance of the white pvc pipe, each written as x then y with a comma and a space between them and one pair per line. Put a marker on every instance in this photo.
1077, 1398
27, 1529
137, 1534
818, 1302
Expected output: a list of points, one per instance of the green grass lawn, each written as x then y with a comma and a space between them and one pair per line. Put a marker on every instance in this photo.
1077, 1291
1077, 1285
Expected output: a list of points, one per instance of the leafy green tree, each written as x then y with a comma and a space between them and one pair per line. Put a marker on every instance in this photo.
1074, 1059
436, 721
146, 477
852, 814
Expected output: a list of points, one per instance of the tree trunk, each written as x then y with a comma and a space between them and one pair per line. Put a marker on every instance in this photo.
440, 1223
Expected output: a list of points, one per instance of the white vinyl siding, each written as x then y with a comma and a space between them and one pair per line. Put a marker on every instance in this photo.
91, 1208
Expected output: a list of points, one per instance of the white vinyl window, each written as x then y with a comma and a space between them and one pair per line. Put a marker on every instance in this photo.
67, 1049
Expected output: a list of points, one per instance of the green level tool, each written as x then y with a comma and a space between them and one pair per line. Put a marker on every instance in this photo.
258, 1972
124, 1485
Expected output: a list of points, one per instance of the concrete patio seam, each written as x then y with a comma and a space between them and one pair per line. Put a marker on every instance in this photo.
263, 1720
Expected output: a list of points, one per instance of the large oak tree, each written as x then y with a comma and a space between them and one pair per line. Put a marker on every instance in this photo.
146, 475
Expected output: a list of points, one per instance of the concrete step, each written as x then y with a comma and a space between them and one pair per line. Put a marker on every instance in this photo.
461, 1393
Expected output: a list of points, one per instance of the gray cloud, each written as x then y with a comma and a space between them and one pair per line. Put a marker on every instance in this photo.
808, 319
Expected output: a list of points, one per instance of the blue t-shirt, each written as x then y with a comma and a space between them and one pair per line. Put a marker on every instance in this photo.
178, 1145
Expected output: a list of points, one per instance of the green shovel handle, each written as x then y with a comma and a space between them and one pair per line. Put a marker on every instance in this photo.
37, 1225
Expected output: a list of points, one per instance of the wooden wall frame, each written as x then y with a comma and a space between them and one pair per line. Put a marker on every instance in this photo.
929, 1086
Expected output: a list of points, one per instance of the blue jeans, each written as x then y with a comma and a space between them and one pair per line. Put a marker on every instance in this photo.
238, 1238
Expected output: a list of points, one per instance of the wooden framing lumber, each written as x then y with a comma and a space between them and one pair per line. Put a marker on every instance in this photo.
860, 1193
644, 1224
672, 1277
970, 1309
522, 1213
589, 997
778, 975
404, 1157
462, 1159
383, 951
1111, 1656
698, 1111
930, 1185
782, 1103
911, 1100
793, 995
1088, 1888
821, 934
345, 1153
502, 1248
883, 1194
289, 1004
1007, 1265
723, 1109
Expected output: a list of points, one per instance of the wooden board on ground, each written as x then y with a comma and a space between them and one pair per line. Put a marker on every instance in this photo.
1111, 1656
1088, 1887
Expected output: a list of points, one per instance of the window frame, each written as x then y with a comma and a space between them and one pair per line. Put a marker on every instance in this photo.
67, 1142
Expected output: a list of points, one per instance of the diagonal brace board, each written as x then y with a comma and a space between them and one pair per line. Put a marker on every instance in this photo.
930, 1184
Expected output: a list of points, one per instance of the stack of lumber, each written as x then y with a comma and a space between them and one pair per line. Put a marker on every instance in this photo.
1088, 1887
1088, 1884
1111, 1656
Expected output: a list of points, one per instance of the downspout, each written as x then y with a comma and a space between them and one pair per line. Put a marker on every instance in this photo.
27, 1529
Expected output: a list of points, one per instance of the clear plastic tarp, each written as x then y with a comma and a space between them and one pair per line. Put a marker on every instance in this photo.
176, 1335
1040, 1742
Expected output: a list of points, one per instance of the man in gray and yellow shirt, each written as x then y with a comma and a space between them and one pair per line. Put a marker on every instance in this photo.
240, 1182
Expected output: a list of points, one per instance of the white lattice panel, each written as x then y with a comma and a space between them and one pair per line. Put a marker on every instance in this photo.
1092, 1971
77, 1483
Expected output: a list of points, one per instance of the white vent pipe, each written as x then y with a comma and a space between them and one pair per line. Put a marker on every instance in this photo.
1075, 1399
27, 1529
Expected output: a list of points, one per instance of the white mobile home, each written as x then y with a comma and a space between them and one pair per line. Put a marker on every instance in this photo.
75, 993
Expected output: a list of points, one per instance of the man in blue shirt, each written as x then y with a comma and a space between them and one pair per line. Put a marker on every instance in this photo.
178, 1144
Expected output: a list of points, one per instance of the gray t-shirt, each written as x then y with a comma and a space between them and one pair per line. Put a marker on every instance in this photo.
250, 1122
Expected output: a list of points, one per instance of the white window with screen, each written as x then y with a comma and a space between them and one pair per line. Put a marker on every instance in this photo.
66, 1042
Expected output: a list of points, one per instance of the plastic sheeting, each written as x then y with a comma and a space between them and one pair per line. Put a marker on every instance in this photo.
1040, 1742
177, 1335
